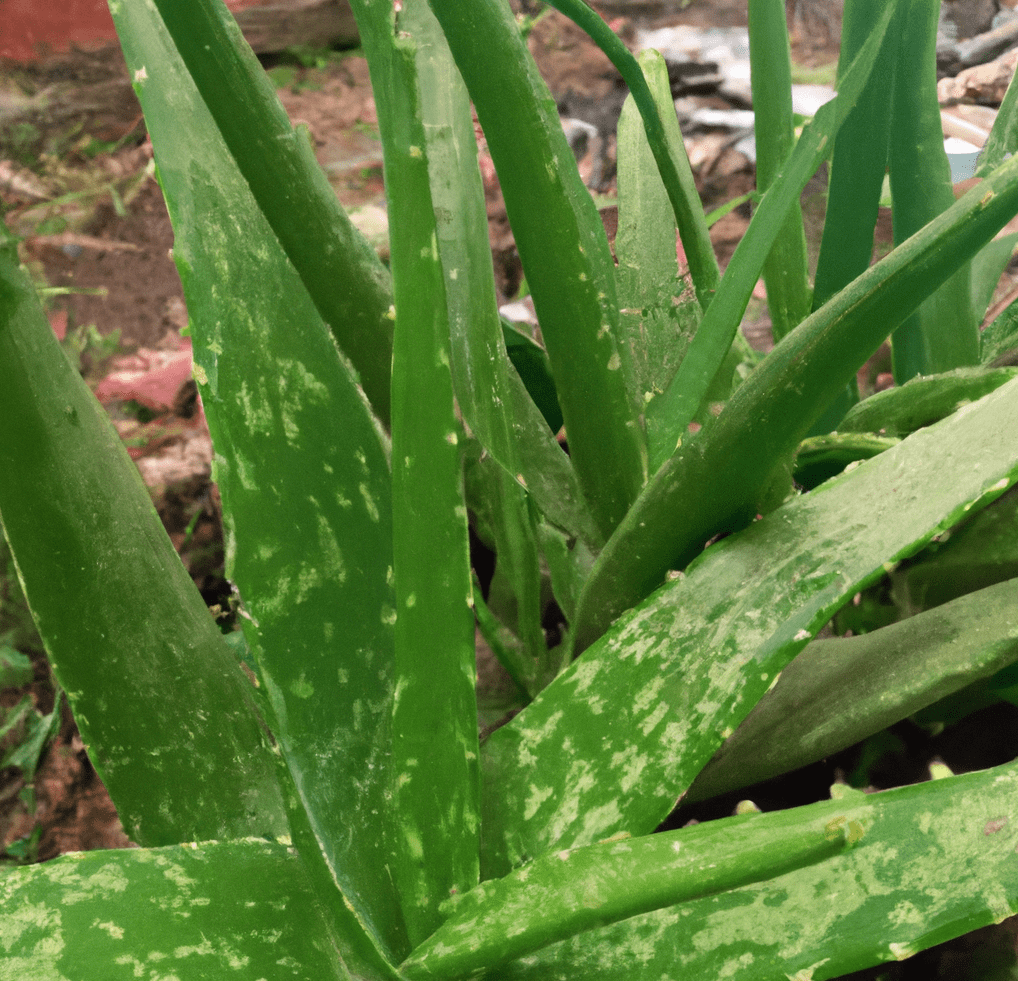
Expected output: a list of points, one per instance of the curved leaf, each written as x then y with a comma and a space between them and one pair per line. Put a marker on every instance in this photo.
237, 909
303, 472
611, 743
120, 617
937, 860
839, 691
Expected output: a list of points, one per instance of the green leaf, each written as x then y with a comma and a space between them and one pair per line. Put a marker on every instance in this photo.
666, 144
821, 457
433, 808
785, 271
922, 401
279, 167
616, 738
657, 324
563, 247
15, 668
721, 478
937, 860
720, 325
981, 551
579, 889
116, 609
838, 692
239, 909
303, 472
943, 333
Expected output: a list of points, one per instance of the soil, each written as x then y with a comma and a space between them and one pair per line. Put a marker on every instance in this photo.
113, 255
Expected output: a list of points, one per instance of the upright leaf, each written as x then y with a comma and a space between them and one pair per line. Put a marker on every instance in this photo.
336, 264
303, 472
562, 244
121, 619
434, 804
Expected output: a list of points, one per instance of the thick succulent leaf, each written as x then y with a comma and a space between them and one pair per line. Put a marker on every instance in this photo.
239, 909
656, 324
937, 860
579, 889
121, 620
492, 396
719, 479
338, 267
1000, 339
432, 811
785, 271
901, 410
943, 332
304, 478
612, 742
981, 552
563, 247
839, 691
821, 457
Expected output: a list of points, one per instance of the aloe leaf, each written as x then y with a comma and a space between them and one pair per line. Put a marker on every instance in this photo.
981, 551
858, 164
714, 337
821, 457
563, 247
489, 392
239, 909
785, 271
720, 479
303, 472
999, 343
1003, 139
337, 265
943, 333
502, 519
922, 401
611, 743
115, 607
433, 808
665, 143
657, 324
838, 692
579, 889
936, 861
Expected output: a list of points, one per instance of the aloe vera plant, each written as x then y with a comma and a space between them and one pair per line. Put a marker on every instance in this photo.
339, 817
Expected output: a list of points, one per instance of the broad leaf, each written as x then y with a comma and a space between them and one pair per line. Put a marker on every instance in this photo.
304, 478
237, 909
937, 860
616, 738
121, 620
